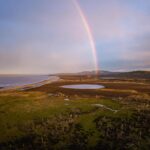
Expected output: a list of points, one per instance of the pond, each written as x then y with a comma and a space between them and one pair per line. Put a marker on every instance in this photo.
83, 86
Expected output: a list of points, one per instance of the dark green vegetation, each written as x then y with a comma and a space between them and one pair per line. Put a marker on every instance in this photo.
50, 117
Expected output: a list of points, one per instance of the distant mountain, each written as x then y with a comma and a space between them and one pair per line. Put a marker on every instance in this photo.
103, 73
86, 73
98, 72
135, 74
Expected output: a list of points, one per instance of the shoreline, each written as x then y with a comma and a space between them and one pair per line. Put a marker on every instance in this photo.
32, 85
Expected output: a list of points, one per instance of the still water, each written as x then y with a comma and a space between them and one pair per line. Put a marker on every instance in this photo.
83, 86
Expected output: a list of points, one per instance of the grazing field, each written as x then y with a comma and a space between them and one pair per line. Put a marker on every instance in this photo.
52, 117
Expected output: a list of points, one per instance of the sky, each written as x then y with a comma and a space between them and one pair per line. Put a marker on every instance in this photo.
48, 36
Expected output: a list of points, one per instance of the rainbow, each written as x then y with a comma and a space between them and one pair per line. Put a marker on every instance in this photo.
89, 34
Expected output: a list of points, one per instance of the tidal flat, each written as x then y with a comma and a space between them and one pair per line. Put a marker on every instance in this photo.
50, 117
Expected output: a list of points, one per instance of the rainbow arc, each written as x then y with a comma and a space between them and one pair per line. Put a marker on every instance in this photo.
89, 34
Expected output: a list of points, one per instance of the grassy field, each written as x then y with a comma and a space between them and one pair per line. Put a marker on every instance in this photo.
51, 117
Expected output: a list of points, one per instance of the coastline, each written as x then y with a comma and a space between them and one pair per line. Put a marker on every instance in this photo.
33, 85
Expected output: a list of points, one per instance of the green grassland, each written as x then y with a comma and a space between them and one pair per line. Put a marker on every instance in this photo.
50, 117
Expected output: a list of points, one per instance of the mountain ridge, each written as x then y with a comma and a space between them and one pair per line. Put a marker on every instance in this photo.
104, 73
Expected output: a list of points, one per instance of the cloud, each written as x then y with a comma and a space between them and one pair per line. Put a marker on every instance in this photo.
49, 36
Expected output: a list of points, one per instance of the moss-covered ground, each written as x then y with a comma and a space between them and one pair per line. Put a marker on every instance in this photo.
50, 117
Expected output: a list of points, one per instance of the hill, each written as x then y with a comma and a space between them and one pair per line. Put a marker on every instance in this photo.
103, 73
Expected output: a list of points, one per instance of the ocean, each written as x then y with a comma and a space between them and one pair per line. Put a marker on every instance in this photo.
20, 80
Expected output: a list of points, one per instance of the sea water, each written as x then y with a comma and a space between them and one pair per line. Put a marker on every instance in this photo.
20, 80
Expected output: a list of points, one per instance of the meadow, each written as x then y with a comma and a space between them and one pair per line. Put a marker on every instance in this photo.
50, 117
